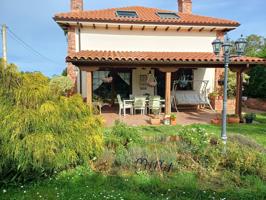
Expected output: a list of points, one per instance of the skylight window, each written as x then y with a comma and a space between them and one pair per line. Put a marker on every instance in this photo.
168, 15
122, 13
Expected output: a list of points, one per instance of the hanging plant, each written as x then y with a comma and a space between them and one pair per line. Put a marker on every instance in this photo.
107, 79
151, 81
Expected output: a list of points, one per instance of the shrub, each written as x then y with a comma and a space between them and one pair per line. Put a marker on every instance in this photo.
42, 132
121, 134
61, 85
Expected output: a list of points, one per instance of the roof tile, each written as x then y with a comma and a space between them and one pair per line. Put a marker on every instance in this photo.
145, 15
180, 57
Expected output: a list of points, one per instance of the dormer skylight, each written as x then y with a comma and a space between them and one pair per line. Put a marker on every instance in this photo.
124, 13
167, 15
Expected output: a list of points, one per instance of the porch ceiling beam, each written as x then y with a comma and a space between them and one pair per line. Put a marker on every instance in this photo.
178, 29
190, 29
94, 26
213, 29
106, 26
201, 29
167, 28
155, 28
119, 27
143, 28
88, 69
168, 69
131, 27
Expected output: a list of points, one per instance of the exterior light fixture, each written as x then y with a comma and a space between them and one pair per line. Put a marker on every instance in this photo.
240, 44
226, 46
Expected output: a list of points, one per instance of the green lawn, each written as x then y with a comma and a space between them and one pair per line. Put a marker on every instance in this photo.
83, 183
255, 131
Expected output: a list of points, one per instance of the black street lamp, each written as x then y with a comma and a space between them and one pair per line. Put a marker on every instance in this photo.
226, 46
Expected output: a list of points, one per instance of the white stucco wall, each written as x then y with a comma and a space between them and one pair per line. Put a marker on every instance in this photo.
136, 90
148, 40
204, 74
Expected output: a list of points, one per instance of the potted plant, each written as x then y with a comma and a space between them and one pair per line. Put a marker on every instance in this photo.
173, 119
233, 119
167, 120
249, 117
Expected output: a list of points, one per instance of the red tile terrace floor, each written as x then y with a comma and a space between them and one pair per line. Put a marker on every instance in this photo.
200, 116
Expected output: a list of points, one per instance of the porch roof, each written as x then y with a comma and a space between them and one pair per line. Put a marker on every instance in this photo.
103, 57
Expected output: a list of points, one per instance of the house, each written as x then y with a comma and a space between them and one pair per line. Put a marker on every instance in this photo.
118, 50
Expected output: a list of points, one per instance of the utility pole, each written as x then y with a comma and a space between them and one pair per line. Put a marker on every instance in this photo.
4, 45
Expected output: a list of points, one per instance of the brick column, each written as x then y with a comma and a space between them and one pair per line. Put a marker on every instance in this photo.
76, 5
71, 49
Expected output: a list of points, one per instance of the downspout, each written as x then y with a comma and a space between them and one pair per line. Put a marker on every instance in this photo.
80, 72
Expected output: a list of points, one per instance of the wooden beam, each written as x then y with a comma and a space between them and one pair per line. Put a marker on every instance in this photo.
201, 29
167, 28
239, 87
168, 93
119, 27
94, 26
106, 26
190, 29
168, 69
131, 27
178, 29
89, 88
213, 29
143, 27
88, 69
155, 28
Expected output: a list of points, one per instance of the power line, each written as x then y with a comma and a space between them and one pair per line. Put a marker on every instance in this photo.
27, 46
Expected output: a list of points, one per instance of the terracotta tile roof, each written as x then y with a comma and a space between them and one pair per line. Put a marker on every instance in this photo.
145, 15
157, 57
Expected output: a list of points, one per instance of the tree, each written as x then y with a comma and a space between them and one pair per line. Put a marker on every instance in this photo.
256, 87
255, 45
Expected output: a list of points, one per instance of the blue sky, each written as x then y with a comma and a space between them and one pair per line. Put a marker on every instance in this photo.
32, 21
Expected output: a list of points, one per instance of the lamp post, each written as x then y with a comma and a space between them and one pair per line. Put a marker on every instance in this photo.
226, 46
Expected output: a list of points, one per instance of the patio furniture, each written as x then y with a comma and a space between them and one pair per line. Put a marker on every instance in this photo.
123, 105
140, 104
100, 105
190, 97
154, 104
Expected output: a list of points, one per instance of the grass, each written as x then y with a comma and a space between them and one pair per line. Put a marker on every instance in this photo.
255, 131
83, 183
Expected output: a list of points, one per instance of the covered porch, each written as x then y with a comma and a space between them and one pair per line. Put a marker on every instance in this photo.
166, 64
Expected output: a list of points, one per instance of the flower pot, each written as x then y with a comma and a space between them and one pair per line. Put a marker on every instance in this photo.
216, 121
233, 120
173, 121
249, 120
155, 121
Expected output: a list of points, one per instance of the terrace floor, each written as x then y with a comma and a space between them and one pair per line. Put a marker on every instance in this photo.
200, 116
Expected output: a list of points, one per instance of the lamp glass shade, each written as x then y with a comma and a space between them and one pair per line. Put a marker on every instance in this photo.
240, 45
217, 45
